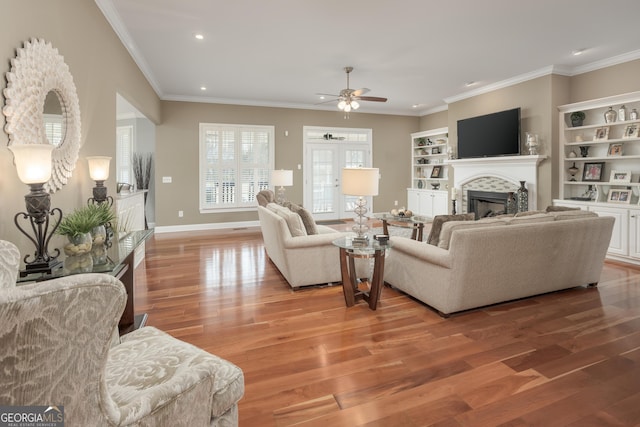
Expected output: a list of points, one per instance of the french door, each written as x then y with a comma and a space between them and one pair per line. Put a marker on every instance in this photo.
326, 152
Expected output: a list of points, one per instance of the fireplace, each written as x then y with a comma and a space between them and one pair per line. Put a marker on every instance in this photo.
486, 203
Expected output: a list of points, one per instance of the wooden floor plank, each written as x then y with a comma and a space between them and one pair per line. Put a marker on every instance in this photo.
565, 358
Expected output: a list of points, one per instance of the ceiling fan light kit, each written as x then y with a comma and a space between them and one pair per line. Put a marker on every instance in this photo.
348, 98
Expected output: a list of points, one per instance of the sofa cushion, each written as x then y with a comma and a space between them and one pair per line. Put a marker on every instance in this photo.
307, 220
439, 220
572, 214
530, 219
552, 208
451, 226
528, 213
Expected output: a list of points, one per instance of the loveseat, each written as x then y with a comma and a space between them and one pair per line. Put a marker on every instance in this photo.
478, 263
302, 258
59, 346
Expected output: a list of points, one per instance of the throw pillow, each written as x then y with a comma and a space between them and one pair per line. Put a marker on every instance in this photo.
528, 213
528, 219
577, 214
439, 220
265, 197
307, 219
294, 222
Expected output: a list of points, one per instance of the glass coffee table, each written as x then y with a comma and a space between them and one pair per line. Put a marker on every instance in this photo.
416, 223
353, 287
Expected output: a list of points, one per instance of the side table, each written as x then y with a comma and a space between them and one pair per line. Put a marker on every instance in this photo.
416, 223
351, 284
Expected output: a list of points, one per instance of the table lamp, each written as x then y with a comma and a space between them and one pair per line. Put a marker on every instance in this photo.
99, 172
360, 182
33, 163
281, 178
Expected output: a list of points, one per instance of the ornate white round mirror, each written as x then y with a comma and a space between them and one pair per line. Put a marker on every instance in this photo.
42, 107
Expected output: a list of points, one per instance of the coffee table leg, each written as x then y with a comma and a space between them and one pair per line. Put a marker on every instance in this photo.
385, 230
420, 230
347, 283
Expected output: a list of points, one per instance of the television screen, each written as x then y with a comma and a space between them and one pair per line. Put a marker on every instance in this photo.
496, 134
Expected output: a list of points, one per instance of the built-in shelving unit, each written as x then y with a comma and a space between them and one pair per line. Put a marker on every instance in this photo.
428, 193
609, 152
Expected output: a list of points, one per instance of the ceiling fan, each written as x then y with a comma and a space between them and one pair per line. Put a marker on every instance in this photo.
348, 98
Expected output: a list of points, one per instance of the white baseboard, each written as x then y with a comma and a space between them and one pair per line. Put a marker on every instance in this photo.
210, 226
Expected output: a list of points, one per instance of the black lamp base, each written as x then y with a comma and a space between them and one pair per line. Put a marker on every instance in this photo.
41, 267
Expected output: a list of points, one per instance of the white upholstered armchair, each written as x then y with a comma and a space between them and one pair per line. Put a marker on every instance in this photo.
57, 347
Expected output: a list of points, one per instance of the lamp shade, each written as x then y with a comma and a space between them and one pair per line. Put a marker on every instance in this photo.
360, 181
33, 162
282, 178
99, 167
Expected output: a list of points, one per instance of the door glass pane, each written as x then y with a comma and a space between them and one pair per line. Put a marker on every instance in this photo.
323, 181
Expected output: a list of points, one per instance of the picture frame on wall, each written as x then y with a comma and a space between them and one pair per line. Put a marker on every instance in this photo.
601, 133
631, 131
620, 177
436, 172
592, 172
615, 150
619, 196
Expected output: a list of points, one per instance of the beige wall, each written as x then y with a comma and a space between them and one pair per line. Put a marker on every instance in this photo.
177, 153
614, 80
100, 67
435, 120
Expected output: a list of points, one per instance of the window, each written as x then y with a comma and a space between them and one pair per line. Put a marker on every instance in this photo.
124, 154
235, 164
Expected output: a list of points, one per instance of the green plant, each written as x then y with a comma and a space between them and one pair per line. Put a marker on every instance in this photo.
85, 219
577, 115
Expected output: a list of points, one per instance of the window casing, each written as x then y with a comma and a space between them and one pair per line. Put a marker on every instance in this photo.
235, 164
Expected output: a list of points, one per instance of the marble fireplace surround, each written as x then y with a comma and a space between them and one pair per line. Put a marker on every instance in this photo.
496, 174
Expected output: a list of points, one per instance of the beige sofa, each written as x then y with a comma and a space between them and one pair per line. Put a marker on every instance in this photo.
478, 263
302, 259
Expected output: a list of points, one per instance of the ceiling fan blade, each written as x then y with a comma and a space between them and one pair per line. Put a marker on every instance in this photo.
327, 94
372, 98
327, 101
359, 92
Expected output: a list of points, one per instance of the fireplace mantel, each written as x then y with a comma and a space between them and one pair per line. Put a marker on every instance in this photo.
510, 168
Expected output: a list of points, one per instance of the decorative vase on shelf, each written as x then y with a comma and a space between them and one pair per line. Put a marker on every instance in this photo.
573, 170
512, 205
584, 150
532, 143
522, 198
622, 113
610, 115
633, 115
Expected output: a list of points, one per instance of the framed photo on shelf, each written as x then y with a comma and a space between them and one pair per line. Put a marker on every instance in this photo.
436, 172
435, 150
593, 171
615, 150
601, 133
620, 177
619, 196
631, 131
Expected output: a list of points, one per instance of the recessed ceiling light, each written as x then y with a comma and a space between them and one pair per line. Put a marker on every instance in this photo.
471, 83
199, 36
321, 96
577, 52
415, 105
203, 88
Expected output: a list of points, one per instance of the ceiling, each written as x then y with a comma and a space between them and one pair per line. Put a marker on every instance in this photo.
418, 53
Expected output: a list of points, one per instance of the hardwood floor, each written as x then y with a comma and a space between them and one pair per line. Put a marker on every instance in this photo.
570, 358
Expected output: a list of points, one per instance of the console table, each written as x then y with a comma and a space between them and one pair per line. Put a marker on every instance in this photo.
416, 223
119, 262
350, 282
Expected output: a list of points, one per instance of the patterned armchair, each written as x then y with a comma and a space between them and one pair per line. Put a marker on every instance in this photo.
57, 347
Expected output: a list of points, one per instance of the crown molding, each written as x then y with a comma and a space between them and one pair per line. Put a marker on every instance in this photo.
615, 60
114, 19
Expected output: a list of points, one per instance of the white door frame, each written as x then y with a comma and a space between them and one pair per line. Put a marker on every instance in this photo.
339, 140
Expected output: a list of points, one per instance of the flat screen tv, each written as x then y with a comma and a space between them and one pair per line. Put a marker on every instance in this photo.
491, 135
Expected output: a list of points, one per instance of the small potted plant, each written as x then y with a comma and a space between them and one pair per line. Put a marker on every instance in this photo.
577, 117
